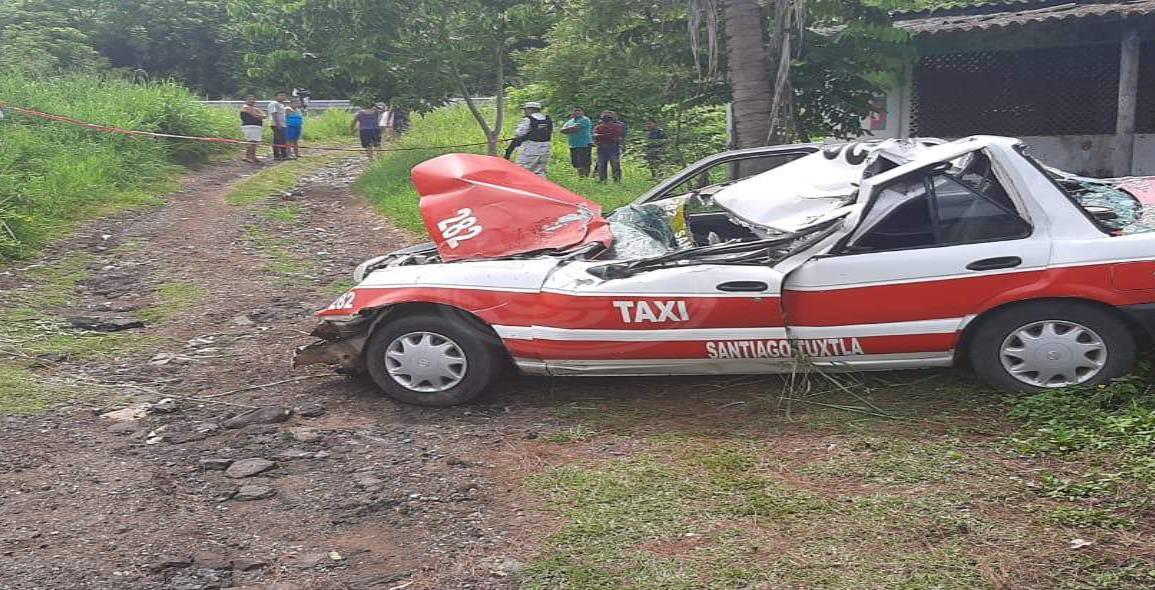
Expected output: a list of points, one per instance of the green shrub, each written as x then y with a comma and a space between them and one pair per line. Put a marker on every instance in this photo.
1110, 426
386, 184
53, 174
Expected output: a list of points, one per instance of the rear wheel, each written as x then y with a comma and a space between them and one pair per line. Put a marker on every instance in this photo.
432, 359
1044, 345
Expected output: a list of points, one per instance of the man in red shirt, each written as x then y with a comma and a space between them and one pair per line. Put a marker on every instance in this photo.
609, 135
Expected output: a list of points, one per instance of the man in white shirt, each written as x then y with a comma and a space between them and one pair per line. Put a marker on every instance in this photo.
534, 133
277, 111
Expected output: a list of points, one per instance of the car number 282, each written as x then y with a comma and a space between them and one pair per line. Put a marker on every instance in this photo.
459, 228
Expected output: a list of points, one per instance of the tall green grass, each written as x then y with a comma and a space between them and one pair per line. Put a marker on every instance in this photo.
327, 126
387, 186
53, 174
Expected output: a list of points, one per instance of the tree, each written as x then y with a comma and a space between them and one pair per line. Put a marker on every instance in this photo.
445, 48
190, 40
629, 56
46, 49
331, 47
36, 39
777, 95
464, 47
748, 66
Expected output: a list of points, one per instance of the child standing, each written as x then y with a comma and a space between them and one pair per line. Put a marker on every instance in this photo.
294, 125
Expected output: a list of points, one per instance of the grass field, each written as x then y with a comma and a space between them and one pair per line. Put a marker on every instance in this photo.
387, 186
915, 482
52, 174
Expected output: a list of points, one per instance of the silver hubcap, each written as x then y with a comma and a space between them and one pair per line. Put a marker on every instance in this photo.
1053, 353
425, 362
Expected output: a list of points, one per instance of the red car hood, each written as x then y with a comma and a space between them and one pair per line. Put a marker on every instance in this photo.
486, 207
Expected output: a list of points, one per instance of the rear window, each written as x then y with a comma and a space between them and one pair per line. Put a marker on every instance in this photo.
1111, 203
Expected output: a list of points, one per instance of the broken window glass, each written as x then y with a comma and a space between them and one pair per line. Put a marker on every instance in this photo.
978, 173
1110, 201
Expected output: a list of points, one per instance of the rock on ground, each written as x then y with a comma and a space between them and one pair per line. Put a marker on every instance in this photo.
249, 467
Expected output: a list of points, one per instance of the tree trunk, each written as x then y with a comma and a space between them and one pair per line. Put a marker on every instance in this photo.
748, 62
490, 133
498, 100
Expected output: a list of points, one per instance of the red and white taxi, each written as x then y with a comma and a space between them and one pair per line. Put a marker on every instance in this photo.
866, 256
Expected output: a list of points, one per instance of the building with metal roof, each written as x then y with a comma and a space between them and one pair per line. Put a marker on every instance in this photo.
1075, 79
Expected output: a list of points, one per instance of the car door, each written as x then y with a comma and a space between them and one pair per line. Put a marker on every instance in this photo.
929, 250
699, 319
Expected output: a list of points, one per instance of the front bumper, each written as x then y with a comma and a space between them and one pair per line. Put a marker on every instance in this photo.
340, 344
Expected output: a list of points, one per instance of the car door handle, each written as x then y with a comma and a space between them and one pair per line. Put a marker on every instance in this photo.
742, 286
995, 263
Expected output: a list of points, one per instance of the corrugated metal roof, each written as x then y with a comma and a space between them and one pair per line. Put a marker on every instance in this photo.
1017, 14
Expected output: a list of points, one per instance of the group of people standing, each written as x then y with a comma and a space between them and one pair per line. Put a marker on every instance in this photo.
286, 118
534, 133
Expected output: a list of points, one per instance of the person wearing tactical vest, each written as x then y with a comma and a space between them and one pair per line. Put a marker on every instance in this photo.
534, 133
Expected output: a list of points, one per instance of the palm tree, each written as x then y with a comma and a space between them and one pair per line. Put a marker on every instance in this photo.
748, 69
758, 65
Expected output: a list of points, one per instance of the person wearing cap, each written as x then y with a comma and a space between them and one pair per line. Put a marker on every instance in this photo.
533, 135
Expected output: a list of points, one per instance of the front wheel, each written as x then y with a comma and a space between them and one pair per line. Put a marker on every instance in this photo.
432, 359
1044, 345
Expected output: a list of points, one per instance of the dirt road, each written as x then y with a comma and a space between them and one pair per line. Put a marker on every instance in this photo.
583, 484
362, 493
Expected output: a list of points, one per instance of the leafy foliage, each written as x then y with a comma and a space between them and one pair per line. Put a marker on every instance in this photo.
191, 40
52, 174
632, 56
36, 39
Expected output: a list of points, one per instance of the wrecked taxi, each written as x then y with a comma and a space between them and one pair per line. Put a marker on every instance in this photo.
897, 254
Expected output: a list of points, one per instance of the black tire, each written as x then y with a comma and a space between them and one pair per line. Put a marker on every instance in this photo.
479, 346
985, 345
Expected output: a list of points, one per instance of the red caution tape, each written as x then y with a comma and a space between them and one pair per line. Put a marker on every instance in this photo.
134, 132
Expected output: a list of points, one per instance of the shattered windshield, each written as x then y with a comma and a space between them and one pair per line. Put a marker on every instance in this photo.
757, 252
1120, 205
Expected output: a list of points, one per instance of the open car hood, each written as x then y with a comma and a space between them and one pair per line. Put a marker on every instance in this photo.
477, 207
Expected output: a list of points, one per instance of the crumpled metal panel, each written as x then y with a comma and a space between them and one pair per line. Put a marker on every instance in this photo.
477, 207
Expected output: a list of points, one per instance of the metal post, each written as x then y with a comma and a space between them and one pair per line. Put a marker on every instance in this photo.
1128, 97
904, 110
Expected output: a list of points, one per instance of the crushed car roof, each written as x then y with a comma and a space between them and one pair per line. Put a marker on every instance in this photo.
808, 190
